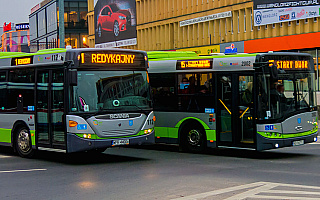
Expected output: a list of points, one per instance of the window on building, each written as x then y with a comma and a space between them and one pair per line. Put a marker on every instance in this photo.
258, 28
297, 22
314, 19
306, 21
42, 23
52, 18
273, 25
244, 20
289, 23
231, 24
266, 26
281, 24
238, 17
33, 27
251, 23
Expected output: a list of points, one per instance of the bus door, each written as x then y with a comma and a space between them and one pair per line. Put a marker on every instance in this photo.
50, 109
234, 110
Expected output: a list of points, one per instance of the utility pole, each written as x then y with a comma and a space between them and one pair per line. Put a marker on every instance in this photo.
61, 23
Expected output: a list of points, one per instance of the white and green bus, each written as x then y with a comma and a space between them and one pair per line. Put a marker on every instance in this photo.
247, 101
74, 100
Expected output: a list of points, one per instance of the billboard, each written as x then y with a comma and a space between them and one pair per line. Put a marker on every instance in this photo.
276, 11
115, 23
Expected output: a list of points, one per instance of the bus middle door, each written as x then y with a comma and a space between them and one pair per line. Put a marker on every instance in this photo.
234, 110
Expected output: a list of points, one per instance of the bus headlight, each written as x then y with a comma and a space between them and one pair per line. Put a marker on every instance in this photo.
148, 131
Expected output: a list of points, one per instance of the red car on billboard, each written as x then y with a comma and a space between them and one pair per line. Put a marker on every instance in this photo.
112, 18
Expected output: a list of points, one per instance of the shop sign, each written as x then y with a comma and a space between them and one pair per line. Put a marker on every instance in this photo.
23, 26
276, 11
205, 18
207, 50
6, 27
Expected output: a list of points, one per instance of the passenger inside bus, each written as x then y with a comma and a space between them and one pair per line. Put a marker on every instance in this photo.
247, 94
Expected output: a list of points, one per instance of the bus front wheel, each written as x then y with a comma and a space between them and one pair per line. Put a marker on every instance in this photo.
193, 139
23, 143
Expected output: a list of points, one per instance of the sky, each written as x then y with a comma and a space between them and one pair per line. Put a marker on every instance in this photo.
16, 11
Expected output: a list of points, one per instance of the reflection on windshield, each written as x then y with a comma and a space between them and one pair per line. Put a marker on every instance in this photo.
110, 90
283, 97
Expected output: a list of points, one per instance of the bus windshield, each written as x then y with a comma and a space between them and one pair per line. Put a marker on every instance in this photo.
290, 94
115, 91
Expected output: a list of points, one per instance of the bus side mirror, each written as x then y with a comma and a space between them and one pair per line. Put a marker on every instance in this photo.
274, 72
73, 77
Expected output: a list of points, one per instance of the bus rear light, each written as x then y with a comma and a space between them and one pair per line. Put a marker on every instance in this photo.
210, 115
72, 123
154, 118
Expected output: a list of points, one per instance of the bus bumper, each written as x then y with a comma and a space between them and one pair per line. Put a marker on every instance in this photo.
267, 143
78, 144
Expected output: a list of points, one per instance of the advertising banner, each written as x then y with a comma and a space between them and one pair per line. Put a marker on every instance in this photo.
206, 18
232, 47
115, 23
276, 11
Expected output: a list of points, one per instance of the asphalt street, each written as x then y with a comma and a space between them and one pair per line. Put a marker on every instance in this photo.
162, 172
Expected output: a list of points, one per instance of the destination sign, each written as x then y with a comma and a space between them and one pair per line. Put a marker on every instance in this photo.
22, 61
194, 64
104, 58
291, 64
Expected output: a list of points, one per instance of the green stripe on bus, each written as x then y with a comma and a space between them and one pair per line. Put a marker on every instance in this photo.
33, 137
5, 135
271, 135
205, 126
166, 132
211, 135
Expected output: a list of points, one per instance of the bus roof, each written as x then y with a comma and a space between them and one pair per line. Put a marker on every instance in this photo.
169, 61
60, 55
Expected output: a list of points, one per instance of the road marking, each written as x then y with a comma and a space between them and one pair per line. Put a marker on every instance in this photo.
5, 156
22, 170
261, 190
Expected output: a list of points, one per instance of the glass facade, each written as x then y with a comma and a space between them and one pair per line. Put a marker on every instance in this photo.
75, 15
44, 25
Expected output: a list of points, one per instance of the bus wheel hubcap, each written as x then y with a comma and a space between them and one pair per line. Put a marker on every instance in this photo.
24, 141
194, 137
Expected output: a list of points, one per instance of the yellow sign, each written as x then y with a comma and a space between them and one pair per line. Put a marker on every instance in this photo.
207, 50
291, 64
23, 61
109, 58
195, 64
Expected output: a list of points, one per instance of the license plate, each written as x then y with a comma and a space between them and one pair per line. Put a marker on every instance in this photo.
297, 143
120, 142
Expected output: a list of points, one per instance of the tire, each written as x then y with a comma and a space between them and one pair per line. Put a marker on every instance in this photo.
193, 139
23, 143
116, 29
99, 32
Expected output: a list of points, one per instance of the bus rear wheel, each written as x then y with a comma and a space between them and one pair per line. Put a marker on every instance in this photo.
193, 139
23, 143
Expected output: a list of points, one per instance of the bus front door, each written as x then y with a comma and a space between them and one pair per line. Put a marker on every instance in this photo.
50, 109
234, 111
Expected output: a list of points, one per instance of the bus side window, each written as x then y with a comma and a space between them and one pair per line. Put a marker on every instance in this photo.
164, 96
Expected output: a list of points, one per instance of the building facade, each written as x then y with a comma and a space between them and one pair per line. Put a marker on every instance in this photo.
16, 39
225, 26
44, 24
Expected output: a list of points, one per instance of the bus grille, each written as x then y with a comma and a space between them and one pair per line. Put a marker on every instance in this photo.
123, 132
